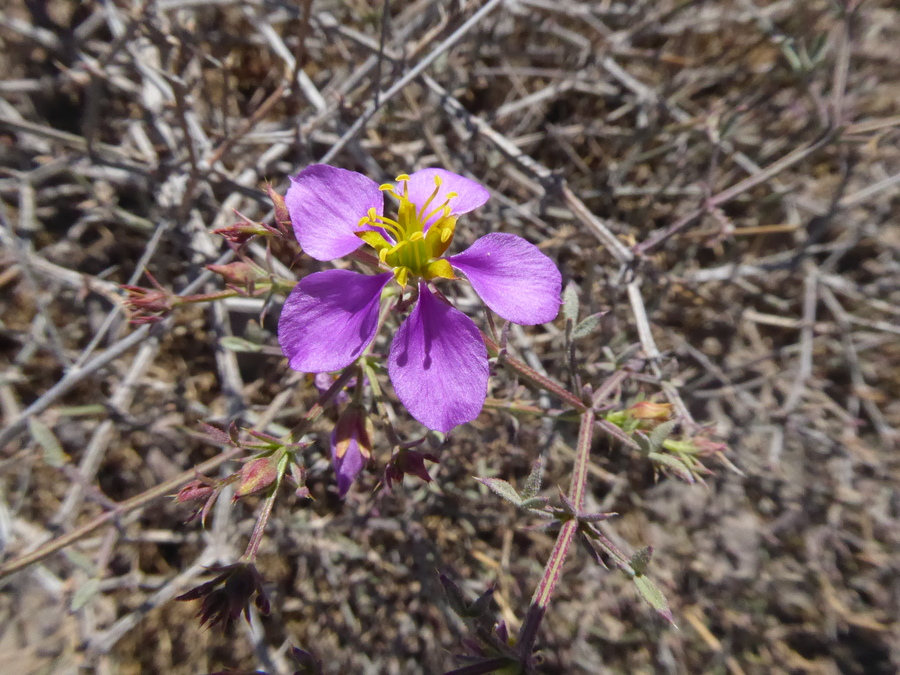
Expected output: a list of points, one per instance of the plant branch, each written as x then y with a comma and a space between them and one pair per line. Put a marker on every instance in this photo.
120, 509
553, 568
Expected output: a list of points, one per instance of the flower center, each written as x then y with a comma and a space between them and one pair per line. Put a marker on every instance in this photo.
412, 245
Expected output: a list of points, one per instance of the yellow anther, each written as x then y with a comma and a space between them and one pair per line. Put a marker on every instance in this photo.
387, 187
416, 236
363, 221
446, 233
402, 177
382, 255
437, 180
373, 214
452, 195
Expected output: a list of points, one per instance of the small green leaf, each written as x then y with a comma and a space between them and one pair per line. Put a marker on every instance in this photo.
641, 559
533, 482
661, 433
534, 503
570, 302
84, 594
588, 326
43, 435
643, 442
676, 465
237, 344
502, 488
651, 593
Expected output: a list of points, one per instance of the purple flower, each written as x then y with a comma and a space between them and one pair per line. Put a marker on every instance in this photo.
438, 362
351, 446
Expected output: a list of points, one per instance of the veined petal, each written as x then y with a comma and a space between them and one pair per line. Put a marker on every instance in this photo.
329, 318
470, 195
513, 278
326, 204
438, 364
351, 447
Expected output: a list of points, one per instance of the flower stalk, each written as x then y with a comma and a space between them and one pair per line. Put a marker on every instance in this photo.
553, 569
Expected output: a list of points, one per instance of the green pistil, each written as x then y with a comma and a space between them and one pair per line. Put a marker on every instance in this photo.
415, 252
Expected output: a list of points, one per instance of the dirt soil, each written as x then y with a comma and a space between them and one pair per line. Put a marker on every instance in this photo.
720, 177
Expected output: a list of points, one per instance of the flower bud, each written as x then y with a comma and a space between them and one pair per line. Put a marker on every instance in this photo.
648, 410
238, 273
282, 215
257, 475
351, 446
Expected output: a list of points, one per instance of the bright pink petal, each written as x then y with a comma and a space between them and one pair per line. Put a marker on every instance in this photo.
513, 278
329, 318
470, 195
326, 204
438, 364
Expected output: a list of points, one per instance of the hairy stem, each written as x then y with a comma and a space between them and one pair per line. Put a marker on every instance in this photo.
535, 377
259, 528
553, 568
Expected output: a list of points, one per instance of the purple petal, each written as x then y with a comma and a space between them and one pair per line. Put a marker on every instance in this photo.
326, 204
513, 278
438, 364
471, 195
346, 453
329, 318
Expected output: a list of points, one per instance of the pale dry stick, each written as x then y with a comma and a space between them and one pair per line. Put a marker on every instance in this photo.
408, 22
409, 77
120, 510
90, 462
76, 375
866, 192
801, 379
307, 86
123, 508
889, 437
726, 195
104, 641
512, 152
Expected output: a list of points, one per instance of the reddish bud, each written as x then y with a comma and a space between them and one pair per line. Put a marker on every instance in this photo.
257, 475
705, 446
203, 490
282, 215
648, 410
147, 305
238, 273
240, 233
196, 489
